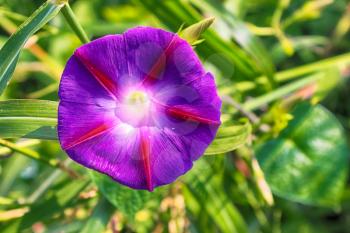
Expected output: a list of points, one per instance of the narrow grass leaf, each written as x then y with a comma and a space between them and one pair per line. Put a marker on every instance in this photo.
222, 53
28, 119
240, 33
10, 51
53, 204
204, 184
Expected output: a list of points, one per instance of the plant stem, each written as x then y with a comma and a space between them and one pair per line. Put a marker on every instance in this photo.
243, 187
28, 152
63, 166
340, 60
250, 115
47, 183
5, 150
74, 24
44, 91
281, 92
283, 76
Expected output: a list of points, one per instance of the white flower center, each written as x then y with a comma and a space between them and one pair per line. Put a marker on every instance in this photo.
135, 108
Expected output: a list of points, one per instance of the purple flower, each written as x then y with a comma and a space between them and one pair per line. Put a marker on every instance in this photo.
138, 107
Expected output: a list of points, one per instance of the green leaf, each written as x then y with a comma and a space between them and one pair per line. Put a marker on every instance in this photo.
127, 200
8, 73
52, 205
283, 91
192, 33
74, 24
10, 51
97, 223
308, 162
235, 28
28, 152
204, 194
11, 170
4, 151
224, 54
229, 138
332, 77
28, 119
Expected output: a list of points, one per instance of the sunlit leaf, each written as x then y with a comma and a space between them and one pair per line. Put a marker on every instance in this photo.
10, 51
54, 203
235, 28
126, 200
328, 83
100, 216
28, 118
224, 54
229, 137
204, 186
10, 172
308, 162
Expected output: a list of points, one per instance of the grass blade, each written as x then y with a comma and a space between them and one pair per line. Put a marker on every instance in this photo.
240, 33
28, 119
175, 13
10, 51
53, 204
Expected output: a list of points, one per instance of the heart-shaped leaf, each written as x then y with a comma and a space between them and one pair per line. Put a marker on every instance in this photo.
308, 162
126, 200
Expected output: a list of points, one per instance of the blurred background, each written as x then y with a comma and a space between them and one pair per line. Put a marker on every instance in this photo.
259, 51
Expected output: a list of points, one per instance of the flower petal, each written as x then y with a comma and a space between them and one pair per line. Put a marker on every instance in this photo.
79, 86
81, 122
160, 58
121, 161
105, 58
104, 124
190, 112
145, 145
169, 159
182, 66
196, 101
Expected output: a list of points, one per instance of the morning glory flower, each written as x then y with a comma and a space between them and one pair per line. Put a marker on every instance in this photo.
138, 107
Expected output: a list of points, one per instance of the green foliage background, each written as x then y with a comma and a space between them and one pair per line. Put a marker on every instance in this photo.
280, 161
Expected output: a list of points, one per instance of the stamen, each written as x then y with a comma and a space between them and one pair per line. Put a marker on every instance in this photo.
137, 98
